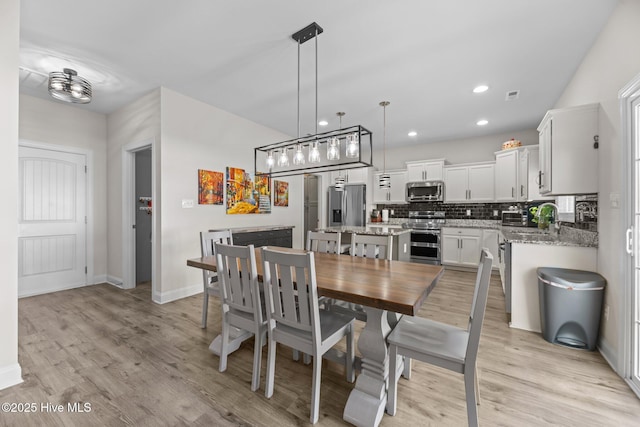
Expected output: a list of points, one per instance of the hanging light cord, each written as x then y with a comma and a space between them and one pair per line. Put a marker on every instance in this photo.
299, 90
316, 40
384, 136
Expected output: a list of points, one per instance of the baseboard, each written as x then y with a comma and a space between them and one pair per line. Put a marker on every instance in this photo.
609, 354
50, 290
10, 375
102, 278
176, 294
115, 281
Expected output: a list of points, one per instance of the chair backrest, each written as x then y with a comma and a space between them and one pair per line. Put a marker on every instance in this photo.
323, 242
363, 245
479, 305
291, 293
238, 277
209, 238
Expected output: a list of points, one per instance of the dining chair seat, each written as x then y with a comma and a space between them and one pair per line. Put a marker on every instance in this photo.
443, 345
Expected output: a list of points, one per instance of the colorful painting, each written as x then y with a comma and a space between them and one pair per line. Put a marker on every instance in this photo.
244, 196
210, 187
281, 197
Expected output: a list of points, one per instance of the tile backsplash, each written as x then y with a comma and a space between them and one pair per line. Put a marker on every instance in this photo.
586, 211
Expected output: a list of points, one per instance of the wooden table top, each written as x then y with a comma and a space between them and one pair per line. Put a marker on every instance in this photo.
395, 286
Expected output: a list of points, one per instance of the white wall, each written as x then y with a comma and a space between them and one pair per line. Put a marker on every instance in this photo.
468, 150
10, 372
611, 63
56, 123
198, 136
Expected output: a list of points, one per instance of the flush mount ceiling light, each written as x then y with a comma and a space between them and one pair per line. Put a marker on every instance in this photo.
480, 89
69, 87
482, 122
412, 133
345, 148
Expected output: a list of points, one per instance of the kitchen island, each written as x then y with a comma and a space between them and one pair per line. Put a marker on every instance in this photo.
526, 249
400, 236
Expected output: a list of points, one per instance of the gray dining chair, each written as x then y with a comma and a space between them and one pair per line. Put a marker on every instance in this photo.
210, 278
294, 319
371, 246
318, 241
444, 345
242, 305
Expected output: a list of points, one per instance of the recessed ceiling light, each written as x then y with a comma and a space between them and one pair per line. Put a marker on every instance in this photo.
412, 133
323, 122
482, 122
480, 89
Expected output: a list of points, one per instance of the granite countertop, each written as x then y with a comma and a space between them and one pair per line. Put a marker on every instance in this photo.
473, 223
374, 230
567, 236
255, 229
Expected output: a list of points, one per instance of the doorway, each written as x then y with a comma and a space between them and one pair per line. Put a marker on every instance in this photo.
311, 205
630, 108
143, 212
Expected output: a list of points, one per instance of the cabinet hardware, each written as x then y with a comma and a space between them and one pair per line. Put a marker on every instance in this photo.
513, 192
521, 190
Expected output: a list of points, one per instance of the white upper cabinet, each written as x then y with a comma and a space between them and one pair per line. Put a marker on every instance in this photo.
568, 155
507, 176
528, 167
469, 183
352, 176
426, 170
395, 194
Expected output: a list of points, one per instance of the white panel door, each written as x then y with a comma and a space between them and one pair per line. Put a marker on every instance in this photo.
51, 217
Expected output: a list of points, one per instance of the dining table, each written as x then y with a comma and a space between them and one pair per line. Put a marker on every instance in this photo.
382, 287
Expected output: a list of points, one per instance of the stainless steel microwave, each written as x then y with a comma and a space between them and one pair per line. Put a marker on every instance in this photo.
425, 191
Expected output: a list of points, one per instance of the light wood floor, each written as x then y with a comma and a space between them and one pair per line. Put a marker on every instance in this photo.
139, 363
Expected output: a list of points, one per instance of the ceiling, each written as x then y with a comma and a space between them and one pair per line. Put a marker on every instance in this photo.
425, 57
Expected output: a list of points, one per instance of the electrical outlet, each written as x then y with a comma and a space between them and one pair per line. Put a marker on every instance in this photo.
187, 203
468, 212
391, 212
606, 312
495, 212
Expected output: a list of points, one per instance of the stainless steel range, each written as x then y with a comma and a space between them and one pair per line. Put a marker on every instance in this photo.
425, 235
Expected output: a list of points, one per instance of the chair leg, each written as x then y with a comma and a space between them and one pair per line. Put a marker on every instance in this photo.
477, 377
350, 356
315, 388
470, 392
257, 360
296, 355
271, 367
306, 358
393, 380
407, 368
224, 347
205, 307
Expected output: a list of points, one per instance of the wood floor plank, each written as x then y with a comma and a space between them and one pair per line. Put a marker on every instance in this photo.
140, 363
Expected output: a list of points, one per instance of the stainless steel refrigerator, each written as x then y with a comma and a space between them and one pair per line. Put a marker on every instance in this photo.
348, 207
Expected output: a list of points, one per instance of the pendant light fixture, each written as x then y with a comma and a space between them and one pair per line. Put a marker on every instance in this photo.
385, 179
69, 86
358, 140
340, 180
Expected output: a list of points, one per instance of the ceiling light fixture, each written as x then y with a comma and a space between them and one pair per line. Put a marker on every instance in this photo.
357, 140
480, 89
385, 179
412, 133
323, 123
69, 87
340, 180
482, 122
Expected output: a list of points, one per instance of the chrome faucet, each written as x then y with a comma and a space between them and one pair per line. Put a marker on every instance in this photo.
556, 224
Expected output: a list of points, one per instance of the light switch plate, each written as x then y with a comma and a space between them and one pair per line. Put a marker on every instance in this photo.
187, 203
614, 200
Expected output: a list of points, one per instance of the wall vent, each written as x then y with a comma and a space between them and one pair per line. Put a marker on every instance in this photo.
512, 95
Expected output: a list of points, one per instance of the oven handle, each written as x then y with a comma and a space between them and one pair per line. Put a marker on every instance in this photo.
417, 231
425, 245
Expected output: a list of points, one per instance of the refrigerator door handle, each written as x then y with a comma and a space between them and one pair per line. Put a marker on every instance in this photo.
344, 208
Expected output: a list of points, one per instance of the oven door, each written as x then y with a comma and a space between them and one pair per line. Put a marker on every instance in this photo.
425, 246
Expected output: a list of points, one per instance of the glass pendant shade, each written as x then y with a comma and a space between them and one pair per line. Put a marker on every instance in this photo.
270, 160
314, 153
339, 184
353, 149
283, 159
385, 181
298, 157
333, 149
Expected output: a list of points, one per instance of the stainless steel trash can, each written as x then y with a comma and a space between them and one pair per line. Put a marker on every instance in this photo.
570, 306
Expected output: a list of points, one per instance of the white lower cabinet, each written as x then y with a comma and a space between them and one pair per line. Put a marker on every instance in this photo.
461, 246
490, 241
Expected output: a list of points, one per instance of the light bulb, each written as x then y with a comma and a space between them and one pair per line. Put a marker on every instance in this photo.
314, 153
283, 159
270, 160
353, 146
298, 158
333, 149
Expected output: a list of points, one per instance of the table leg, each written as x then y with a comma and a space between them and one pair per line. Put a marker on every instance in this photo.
368, 399
236, 337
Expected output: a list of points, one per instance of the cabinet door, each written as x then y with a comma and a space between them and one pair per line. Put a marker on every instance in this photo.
379, 195
523, 174
469, 250
490, 241
533, 160
433, 171
506, 176
455, 184
544, 175
481, 183
398, 187
415, 172
450, 250
358, 175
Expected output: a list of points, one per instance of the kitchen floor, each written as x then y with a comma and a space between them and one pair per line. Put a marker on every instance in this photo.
140, 363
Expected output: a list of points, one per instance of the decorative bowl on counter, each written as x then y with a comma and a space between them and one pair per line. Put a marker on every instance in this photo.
512, 143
